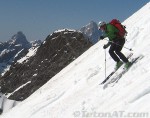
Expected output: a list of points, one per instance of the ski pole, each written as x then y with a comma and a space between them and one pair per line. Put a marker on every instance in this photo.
105, 63
130, 49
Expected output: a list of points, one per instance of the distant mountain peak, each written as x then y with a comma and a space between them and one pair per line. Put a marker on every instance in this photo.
12, 50
19, 38
91, 31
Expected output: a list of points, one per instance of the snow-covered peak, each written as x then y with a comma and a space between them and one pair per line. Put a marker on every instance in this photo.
91, 31
12, 50
36, 43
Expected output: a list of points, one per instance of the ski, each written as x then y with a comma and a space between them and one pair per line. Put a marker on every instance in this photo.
117, 78
115, 70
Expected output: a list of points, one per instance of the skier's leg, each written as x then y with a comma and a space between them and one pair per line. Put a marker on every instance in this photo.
112, 53
118, 50
122, 56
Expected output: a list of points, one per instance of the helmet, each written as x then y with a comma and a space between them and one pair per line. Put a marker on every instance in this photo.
101, 23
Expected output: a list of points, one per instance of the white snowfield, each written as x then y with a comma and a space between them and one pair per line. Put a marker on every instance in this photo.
7, 104
75, 91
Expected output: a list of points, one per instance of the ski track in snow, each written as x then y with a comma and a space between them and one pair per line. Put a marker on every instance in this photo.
140, 95
47, 103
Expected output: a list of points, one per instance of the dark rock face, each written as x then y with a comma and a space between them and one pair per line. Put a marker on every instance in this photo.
55, 53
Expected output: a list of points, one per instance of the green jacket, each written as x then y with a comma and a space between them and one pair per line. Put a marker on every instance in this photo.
111, 32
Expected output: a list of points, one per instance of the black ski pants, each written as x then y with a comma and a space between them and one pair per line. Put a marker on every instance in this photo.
115, 50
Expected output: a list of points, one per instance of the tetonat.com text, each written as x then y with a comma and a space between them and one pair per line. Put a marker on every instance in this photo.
114, 114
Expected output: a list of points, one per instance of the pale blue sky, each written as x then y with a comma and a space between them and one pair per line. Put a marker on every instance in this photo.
39, 18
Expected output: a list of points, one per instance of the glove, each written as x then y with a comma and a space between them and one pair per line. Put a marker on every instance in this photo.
101, 37
105, 46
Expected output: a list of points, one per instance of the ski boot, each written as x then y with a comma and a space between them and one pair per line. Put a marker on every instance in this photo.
118, 64
127, 65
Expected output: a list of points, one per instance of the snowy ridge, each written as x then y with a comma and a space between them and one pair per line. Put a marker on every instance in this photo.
62, 30
75, 91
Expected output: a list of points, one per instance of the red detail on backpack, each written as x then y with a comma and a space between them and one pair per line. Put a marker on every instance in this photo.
119, 26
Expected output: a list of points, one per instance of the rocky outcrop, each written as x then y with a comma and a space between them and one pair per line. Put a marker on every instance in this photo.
56, 52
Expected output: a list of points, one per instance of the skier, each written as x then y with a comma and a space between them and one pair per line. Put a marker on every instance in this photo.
116, 43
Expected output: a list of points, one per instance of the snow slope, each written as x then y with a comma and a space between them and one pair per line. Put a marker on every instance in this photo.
7, 104
75, 91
